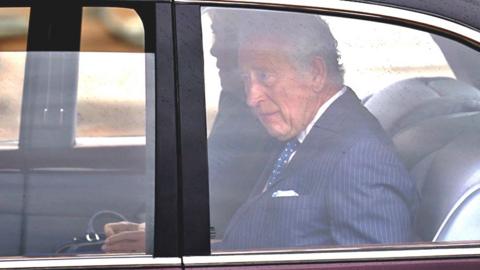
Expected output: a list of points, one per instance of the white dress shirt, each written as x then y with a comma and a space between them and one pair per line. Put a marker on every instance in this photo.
301, 137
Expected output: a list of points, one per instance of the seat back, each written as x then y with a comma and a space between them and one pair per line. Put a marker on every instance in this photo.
443, 156
435, 126
413, 100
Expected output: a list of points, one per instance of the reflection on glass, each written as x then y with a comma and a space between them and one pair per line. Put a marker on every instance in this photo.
111, 95
112, 29
59, 192
327, 132
117, 109
13, 29
12, 68
13, 43
76, 140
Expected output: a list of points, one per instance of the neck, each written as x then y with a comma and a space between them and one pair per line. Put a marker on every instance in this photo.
325, 94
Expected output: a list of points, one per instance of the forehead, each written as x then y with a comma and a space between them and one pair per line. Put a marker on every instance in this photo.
264, 49
263, 39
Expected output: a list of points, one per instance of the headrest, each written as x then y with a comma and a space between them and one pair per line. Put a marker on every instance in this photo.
420, 140
397, 101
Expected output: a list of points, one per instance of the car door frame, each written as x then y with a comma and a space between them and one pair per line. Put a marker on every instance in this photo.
157, 19
195, 196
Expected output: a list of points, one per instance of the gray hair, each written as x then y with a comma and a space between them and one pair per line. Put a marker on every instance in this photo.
308, 35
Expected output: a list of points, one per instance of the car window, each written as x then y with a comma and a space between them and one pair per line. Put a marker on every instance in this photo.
86, 153
111, 86
13, 45
327, 132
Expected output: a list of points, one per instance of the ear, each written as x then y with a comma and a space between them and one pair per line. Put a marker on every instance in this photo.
319, 73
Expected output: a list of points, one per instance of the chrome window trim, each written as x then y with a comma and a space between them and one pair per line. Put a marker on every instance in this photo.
93, 262
331, 256
455, 207
413, 18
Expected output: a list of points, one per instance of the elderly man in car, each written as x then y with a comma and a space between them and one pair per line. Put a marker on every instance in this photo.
334, 177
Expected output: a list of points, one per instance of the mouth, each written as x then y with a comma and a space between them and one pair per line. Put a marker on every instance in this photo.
266, 116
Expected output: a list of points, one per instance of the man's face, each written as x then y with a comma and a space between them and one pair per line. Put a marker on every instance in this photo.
282, 95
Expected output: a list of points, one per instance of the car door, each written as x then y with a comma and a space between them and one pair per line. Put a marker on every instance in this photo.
90, 133
399, 60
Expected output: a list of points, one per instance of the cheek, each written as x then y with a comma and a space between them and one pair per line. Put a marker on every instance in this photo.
279, 122
293, 100
300, 110
288, 123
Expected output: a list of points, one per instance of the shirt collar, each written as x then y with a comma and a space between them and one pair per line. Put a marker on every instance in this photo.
301, 137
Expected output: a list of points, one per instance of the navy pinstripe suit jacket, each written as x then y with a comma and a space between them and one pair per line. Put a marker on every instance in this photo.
352, 189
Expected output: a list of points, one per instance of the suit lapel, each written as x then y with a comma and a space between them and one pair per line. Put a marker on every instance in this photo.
329, 124
260, 185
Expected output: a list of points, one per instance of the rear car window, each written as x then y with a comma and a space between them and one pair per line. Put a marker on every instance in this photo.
86, 154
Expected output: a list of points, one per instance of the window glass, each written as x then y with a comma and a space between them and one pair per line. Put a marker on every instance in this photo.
111, 96
112, 29
85, 171
13, 43
331, 132
13, 29
111, 87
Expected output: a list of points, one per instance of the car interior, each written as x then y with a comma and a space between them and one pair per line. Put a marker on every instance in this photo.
434, 123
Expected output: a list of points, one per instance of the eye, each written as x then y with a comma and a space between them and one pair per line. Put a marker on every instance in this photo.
266, 78
245, 77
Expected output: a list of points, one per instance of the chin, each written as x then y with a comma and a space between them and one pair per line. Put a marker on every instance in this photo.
279, 133
281, 137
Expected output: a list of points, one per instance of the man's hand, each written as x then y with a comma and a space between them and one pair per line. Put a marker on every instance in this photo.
124, 237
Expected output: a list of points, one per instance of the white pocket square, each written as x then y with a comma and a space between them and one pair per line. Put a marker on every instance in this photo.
284, 193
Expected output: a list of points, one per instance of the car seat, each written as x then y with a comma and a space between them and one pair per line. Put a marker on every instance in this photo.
434, 124
413, 100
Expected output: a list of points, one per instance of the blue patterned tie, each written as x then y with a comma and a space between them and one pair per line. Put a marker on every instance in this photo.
282, 161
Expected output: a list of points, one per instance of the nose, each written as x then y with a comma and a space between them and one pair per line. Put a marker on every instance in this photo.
254, 92
214, 49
